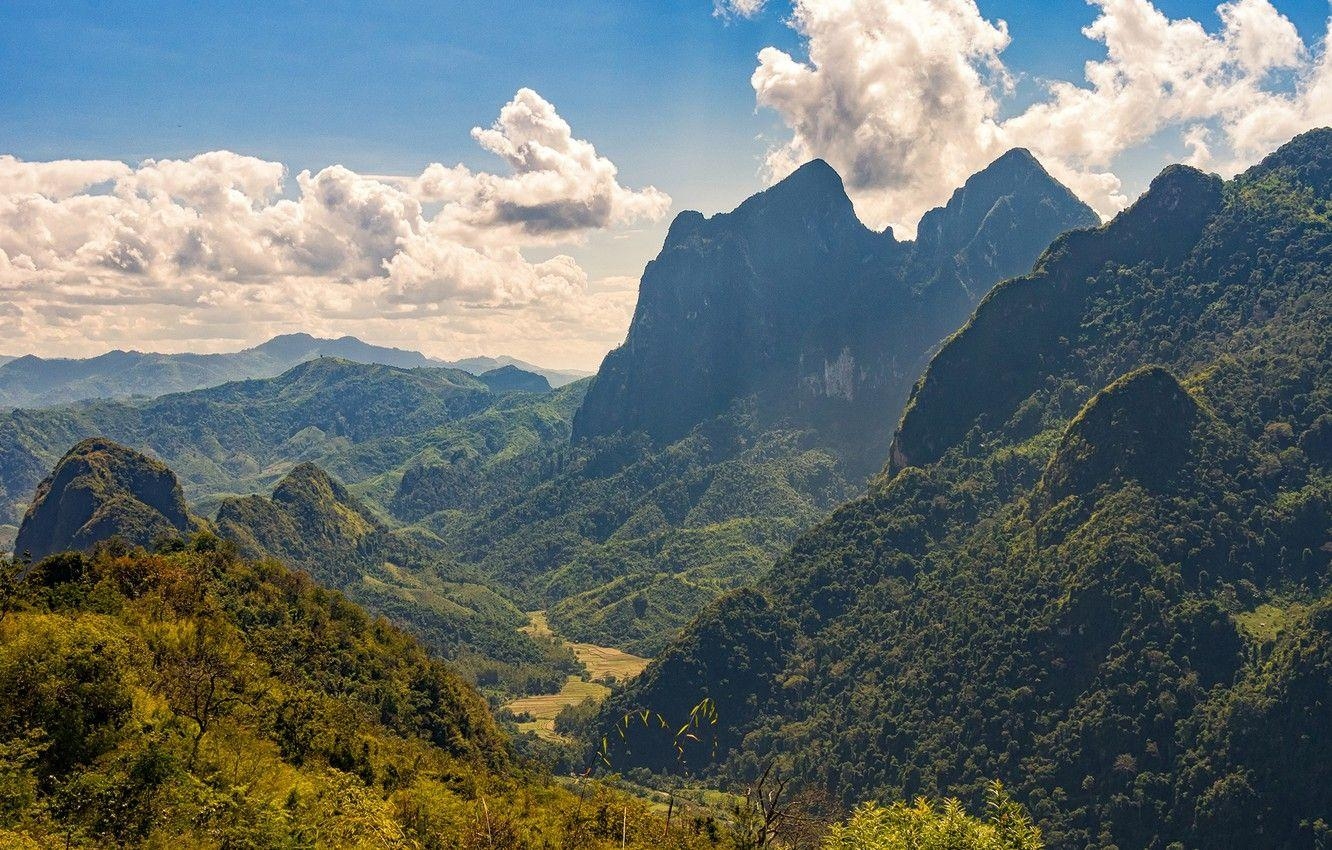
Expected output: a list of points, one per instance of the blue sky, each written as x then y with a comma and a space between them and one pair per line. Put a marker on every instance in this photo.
662, 89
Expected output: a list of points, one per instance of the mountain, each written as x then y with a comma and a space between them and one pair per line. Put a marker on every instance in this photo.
480, 365
512, 379
309, 518
790, 299
361, 421
193, 698
771, 352
1097, 566
31, 381
100, 489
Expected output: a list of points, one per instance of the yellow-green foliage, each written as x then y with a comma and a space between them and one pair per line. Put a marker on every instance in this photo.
194, 699
925, 825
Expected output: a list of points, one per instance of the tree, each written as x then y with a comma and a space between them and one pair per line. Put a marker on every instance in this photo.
204, 673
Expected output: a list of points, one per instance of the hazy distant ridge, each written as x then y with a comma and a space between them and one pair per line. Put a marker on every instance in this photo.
32, 381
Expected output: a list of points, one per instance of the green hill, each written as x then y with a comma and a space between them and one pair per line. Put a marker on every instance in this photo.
100, 489
366, 423
313, 523
1097, 567
191, 698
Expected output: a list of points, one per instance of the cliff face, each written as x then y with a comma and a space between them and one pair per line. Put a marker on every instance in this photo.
791, 299
101, 489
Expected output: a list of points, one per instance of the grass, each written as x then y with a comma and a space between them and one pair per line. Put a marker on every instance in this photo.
1263, 624
602, 662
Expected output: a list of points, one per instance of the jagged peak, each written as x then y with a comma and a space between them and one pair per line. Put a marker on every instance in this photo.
1173, 187
1167, 220
1014, 160
815, 183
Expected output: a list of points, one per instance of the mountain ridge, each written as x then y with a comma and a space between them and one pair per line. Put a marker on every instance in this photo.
1099, 582
123, 374
790, 297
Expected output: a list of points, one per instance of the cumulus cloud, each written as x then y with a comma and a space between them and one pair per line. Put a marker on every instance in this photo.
94, 248
906, 97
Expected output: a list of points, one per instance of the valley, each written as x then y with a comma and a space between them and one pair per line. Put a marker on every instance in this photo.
606, 667
711, 425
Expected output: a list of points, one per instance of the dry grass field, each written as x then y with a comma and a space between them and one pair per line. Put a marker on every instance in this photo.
601, 661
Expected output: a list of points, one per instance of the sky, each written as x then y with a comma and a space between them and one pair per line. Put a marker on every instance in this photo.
471, 177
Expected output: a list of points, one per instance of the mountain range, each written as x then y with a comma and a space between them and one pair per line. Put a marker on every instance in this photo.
1096, 566
791, 301
1087, 551
31, 381
622, 533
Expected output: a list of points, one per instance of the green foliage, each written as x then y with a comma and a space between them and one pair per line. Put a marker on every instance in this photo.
196, 699
364, 423
628, 541
945, 826
313, 523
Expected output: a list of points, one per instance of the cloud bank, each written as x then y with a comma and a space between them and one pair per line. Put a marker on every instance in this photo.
906, 97
213, 246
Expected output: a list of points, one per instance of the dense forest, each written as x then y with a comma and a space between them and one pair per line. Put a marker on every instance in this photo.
1097, 565
180, 695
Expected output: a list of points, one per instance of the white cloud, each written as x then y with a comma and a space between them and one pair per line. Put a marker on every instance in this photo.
905, 97
93, 250
896, 95
737, 8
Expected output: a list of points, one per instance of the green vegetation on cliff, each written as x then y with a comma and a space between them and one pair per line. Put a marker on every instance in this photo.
1098, 565
100, 489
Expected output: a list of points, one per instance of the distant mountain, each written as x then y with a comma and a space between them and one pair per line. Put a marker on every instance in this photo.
359, 420
507, 379
100, 489
480, 365
791, 300
1099, 564
31, 381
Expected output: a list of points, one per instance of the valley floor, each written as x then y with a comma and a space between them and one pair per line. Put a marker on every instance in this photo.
603, 663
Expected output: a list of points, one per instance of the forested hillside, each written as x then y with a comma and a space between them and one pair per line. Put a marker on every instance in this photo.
366, 423
1097, 567
189, 698
312, 523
